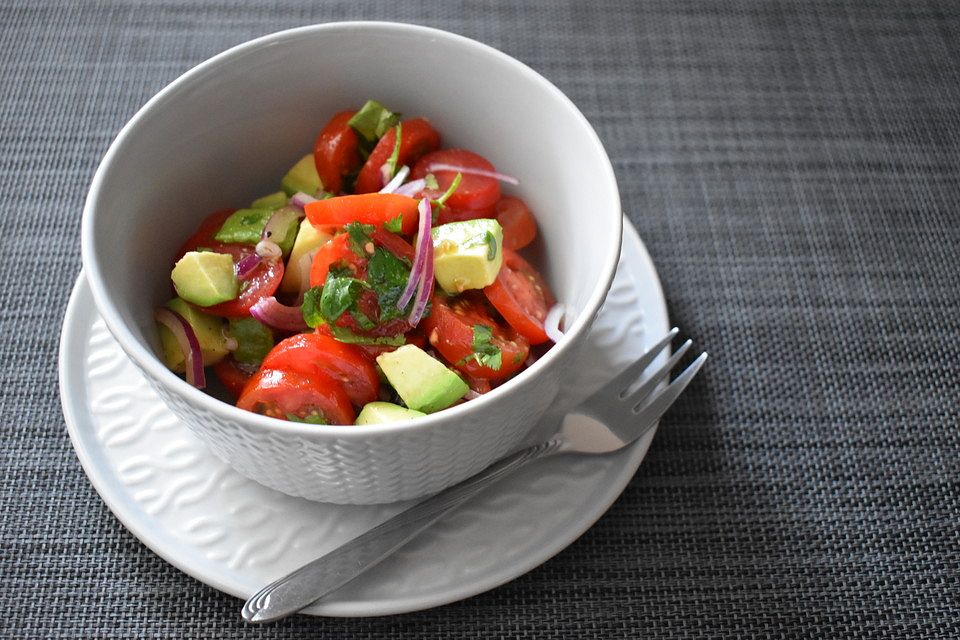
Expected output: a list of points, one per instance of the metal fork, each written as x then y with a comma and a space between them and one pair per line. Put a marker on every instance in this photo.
610, 419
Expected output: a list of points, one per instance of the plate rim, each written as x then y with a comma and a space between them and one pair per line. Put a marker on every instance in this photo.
156, 540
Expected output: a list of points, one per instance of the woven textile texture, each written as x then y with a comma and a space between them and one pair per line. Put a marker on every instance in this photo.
793, 169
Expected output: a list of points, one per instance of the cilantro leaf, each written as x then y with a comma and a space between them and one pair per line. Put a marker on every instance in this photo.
439, 202
394, 158
372, 121
339, 294
388, 277
311, 307
359, 237
485, 352
491, 241
346, 335
394, 224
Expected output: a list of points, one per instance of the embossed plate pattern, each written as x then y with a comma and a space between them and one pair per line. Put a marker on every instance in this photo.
236, 535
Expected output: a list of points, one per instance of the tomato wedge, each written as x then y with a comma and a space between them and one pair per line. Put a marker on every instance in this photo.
519, 225
336, 251
232, 376
345, 363
336, 152
263, 282
475, 192
368, 208
417, 137
295, 395
521, 296
450, 330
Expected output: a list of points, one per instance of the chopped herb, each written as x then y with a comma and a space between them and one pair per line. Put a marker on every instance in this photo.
313, 418
439, 202
363, 320
372, 121
339, 294
388, 277
431, 182
346, 335
359, 237
485, 353
311, 307
394, 224
491, 241
517, 358
394, 158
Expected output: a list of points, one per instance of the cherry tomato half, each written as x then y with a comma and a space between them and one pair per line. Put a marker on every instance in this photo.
336, 152
335, 251
450, 330
519, 225
475, 192
232, 376
521, 296
263, 282
297, 395
417, 137
344, 363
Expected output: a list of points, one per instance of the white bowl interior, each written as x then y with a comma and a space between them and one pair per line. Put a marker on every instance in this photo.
226, 132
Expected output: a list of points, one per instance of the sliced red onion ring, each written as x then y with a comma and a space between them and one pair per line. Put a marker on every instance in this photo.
551, 324
425, 291
397, 180
271, 312
247, 265
420, 252
502, 177
471, 395
301, 199
412, 188
189, 345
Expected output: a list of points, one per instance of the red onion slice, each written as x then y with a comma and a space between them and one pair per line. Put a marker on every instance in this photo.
425, 286
412, 188
502, 177
247, 266
551, 324
397, 180
272, 313
189, 345
301, 199
424, 240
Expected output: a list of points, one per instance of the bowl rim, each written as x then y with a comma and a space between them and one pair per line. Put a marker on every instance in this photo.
155, 368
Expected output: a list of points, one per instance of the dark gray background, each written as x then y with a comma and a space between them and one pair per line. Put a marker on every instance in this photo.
792, 168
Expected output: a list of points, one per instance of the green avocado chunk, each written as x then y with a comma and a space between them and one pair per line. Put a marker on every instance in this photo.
205, 278
272, 201
254, 340
423, 383
209, 331
381, 412
303, 177
245, 226
467, 254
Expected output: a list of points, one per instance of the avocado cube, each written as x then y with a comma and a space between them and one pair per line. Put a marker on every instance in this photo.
303, 177
423, 383
244, 226
205, 278
382, 412
467, 254
254, 340
309, 238
272, 201
209, 332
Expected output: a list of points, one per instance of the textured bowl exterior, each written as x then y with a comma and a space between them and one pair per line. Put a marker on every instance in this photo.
155, 178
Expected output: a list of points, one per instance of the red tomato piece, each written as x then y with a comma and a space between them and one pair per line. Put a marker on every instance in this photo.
335, 252
295, 394
202, 238
521, 296
519, 225
393, 243
417, 137
336, 152
344, 363
450, 214
368, 208
450, 328
263, 282
232, 375
475, 192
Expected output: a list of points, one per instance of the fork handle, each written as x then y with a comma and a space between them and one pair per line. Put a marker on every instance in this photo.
329, 572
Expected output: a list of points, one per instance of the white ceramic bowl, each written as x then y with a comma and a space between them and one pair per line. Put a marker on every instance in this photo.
225, 132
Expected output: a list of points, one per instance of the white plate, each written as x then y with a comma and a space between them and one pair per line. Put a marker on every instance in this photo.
236, 535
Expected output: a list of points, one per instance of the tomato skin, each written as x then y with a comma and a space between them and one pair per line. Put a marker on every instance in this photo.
393, 243
263, 282
336, 152
202, 238
232, 376
475, 192
344, 363
335, 251
521, 296
449, 328
450, 214
369, 208
519, 225
417, 137
277, 393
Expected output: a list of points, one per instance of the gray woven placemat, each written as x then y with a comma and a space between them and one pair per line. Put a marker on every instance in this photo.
792, 168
